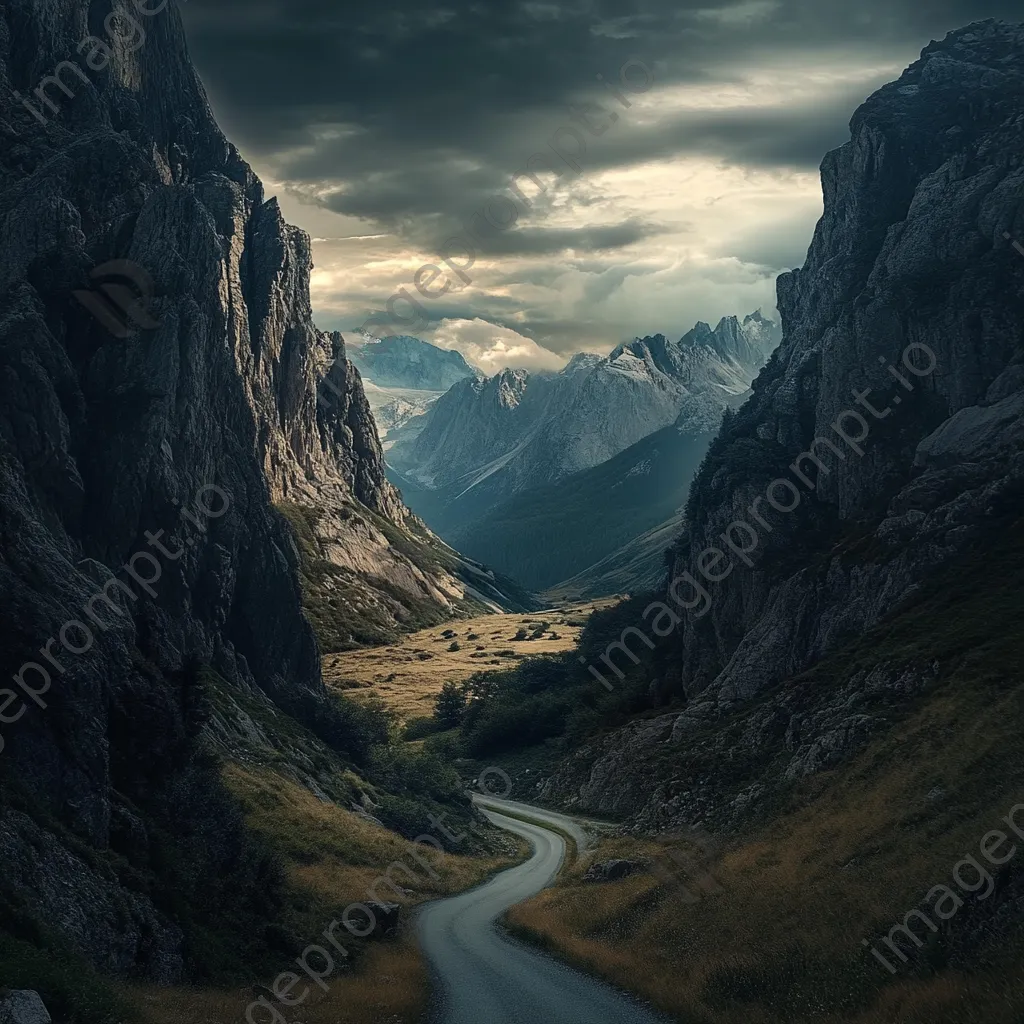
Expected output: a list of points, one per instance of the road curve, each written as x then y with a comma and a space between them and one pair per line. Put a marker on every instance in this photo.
582, 837
483, 977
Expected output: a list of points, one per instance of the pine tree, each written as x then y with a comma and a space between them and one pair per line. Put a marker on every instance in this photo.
450, 704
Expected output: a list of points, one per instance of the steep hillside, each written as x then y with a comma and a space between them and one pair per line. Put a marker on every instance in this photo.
637, 567
156, 413
546, 535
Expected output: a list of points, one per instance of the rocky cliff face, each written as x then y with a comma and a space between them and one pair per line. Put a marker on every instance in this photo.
912, 301
909, 259
147, 431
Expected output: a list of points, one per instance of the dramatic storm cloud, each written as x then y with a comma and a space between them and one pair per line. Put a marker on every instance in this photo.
674, 145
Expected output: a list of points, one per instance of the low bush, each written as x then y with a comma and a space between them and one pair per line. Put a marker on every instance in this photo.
351, 728
422, 727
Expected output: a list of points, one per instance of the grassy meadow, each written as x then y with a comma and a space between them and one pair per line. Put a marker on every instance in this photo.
408, 675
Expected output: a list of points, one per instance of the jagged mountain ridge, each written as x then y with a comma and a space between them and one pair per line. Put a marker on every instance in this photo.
913, 249
400, 361
489, 438
104, 439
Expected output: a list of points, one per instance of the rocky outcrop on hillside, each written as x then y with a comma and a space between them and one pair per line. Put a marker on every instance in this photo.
153, 412
23, 1006
911, 302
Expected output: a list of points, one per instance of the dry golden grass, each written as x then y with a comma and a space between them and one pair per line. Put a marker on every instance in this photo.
408, 675
782, 941
333, 857
389, 986
335, 854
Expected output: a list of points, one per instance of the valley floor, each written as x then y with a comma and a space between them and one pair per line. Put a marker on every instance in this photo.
409, 674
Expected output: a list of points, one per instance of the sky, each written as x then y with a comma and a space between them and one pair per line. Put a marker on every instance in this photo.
674, 147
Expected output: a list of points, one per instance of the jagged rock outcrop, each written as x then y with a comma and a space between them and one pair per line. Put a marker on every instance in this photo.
154, 423
911, 268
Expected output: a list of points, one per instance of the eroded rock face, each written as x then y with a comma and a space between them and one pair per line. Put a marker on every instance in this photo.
911, 252
160, 433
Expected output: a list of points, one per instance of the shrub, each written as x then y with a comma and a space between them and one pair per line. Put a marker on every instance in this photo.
420, 728
352, 728
415, 773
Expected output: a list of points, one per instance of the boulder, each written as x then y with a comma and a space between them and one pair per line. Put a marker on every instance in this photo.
612, 870
385, 918
23, 1007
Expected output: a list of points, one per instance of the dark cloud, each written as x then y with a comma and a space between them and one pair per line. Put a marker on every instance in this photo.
548, 241
469, 78
411, 117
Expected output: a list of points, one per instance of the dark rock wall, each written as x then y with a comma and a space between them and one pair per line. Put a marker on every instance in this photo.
910, 251
111, 446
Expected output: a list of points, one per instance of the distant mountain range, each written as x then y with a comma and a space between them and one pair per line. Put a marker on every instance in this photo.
404, 362
515, 430
548, 534
492, 465
403, 377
